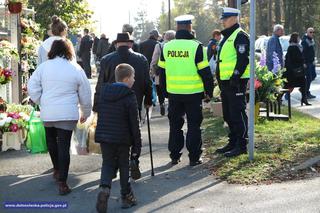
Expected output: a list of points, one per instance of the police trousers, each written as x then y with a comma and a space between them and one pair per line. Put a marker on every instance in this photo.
234, 106
178, 108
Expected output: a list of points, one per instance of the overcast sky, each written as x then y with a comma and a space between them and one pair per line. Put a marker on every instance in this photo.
112, 14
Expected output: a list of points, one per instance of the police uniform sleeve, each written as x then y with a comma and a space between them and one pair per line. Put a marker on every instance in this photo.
162, 74
204, 70
242, 46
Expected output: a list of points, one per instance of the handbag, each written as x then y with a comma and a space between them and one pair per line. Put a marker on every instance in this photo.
298, 72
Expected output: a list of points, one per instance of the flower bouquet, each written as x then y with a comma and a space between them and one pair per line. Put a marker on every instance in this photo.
5, 75
7, 51
13, 121
268, 83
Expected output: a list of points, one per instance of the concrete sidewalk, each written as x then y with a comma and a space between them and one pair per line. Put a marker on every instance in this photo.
313, 110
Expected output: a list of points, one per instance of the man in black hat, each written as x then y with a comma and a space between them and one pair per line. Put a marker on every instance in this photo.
124, 54
126, 28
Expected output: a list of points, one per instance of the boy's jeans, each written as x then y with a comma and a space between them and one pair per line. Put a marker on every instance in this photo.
115, 156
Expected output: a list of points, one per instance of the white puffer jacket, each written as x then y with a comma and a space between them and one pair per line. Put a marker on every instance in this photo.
59, 85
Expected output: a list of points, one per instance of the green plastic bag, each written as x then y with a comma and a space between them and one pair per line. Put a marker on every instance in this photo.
36, 141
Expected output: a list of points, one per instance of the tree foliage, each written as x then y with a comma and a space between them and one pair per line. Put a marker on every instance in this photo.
74, 12
143, 25
206, 15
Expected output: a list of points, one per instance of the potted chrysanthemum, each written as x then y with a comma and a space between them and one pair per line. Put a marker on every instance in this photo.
15, 6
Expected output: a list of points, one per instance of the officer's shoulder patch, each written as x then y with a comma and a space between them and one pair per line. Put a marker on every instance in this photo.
242, 48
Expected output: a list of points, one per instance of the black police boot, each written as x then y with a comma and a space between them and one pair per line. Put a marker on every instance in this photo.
226, 148
237, 150
195, 163
175, 161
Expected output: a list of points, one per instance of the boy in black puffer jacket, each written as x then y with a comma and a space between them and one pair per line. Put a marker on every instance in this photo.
117, 130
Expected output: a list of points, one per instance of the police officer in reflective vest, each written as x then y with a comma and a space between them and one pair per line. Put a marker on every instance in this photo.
233, 74
186, 76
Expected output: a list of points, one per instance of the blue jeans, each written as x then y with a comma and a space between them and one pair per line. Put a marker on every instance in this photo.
310, 75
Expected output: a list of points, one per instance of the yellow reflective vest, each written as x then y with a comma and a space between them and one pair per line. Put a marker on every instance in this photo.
181, 71
228, 58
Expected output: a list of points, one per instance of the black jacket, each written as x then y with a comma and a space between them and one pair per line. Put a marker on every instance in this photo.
308, 45
118, 121
146, 48
241, 43
142, 85
85, 45
102, 48
294, 59
204, 73
95, 45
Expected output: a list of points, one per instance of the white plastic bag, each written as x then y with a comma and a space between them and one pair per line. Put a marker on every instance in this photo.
213, 64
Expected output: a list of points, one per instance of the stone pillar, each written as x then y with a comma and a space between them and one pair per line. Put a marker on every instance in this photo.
15, 32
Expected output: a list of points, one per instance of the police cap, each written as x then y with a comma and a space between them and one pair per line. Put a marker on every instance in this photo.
228, 12
184, 19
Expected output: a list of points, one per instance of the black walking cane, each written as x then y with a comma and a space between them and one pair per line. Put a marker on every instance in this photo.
150, 145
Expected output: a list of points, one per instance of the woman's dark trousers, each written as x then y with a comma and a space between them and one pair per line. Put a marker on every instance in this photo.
58, 142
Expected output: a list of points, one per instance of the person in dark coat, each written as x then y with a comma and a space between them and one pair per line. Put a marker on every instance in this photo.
308, 45
103, 46
126, 28
294, 68
146, 47
95, 43
124, 54
85, 52
118, 130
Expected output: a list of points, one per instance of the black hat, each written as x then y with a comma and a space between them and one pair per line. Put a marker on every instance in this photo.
124, 37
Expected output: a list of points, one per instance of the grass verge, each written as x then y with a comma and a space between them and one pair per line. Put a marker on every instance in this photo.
279, 146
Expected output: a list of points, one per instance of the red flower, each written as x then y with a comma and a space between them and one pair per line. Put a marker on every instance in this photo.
14, 128
7, 72
14, 115
257, 84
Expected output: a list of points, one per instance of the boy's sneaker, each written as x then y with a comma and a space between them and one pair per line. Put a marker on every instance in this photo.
135, 170
128, 200
102, 200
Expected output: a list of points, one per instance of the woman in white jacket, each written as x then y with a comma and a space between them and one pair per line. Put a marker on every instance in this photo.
59, 85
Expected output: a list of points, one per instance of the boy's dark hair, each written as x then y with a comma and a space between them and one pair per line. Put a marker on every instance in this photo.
61, 48
57, 25
123, 71
86, 30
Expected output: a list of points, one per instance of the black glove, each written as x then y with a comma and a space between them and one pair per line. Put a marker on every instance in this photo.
235, 79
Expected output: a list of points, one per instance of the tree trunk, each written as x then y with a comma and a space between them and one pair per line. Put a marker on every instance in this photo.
270, 22
277, 11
